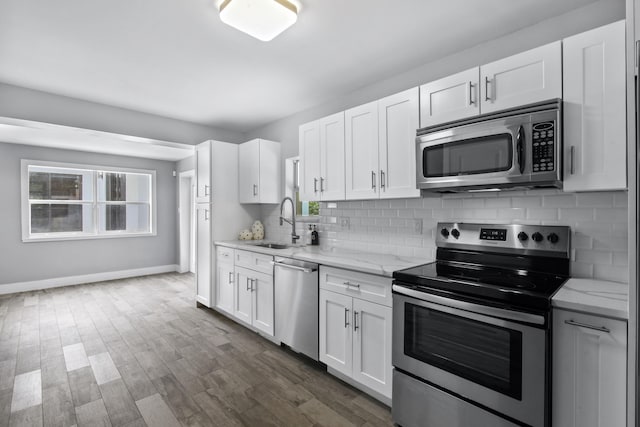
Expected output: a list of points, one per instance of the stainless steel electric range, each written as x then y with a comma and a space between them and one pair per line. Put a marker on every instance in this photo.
471, 331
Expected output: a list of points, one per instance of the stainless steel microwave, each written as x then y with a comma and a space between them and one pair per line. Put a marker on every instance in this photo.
518, 148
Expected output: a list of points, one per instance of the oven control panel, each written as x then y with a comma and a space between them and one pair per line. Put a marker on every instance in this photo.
508, 238
543, 142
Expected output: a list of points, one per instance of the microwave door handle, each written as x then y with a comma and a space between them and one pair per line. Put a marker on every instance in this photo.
520, 148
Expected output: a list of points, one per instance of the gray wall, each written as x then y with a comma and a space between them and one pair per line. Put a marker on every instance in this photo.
21, 103
597, 14
22, 262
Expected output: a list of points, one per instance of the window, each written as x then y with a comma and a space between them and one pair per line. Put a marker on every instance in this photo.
65, 201
303, 207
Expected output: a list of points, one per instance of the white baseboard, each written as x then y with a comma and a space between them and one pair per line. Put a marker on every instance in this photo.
10, 288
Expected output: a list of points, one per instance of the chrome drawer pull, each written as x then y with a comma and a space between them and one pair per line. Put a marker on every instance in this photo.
349, 284
584, 325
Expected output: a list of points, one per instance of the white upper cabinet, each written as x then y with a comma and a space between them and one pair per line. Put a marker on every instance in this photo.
203, 172
259, 172
322, 172
309, 151
380, 147
450, 98
594, 110
521, 79
361, 155
398, 121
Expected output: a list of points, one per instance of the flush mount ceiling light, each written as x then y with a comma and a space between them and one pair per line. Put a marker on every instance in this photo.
262, 19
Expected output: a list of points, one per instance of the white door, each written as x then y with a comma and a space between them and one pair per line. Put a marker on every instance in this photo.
262, 309
361, 155
309, 146
332, 168
521, 79
595, 143
249, 172
372, 345
398, 121
335, 331
203, 172
203, 262
243, 295
589, 370
450, 98
225, 280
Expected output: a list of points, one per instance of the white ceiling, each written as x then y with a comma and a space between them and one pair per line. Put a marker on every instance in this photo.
175, 58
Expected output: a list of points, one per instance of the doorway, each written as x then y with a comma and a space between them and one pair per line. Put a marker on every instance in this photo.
187, 224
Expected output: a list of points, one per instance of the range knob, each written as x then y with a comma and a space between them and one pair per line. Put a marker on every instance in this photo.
444, 232
455, 233
537, 237
522, 236
553, 238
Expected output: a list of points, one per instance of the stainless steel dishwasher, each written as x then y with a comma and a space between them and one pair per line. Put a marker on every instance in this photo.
296, 320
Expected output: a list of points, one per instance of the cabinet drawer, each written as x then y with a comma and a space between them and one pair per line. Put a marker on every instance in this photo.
254, 261
224, 254
369, 287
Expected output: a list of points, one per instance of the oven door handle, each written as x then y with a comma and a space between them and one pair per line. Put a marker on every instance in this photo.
471, 307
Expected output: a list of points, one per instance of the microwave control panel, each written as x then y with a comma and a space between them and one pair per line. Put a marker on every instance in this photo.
544, 137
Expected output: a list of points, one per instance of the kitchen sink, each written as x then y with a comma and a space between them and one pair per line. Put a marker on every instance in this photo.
273, 245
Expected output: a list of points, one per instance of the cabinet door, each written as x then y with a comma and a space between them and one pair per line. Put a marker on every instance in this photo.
372, 346
203, 254
270, 167
589, 370
361, 155
203, 172
450, 98
332, 176
262, 303
309, 174
525, 78
594, 105
398, 121
225, 279
335, 331
243, 295
249, 172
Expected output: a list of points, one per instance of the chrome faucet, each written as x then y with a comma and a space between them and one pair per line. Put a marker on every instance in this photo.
292, 221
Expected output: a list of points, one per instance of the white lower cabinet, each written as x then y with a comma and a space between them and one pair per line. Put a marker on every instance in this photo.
589, 370
355, 334
203, 254
245, 288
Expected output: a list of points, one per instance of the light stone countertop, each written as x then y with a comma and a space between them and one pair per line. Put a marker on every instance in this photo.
594, 297
366, 262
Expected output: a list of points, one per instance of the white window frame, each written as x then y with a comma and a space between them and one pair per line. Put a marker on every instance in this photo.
60, 236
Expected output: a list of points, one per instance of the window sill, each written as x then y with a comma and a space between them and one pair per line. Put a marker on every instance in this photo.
85, 237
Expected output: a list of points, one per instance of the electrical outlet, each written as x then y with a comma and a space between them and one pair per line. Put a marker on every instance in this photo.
345, 222
417, 225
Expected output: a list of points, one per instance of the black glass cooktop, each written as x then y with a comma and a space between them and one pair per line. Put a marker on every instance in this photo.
505, 286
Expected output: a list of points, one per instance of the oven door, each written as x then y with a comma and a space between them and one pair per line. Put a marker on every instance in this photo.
473, 351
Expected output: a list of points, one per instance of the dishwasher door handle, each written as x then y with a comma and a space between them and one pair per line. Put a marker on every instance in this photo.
294, 267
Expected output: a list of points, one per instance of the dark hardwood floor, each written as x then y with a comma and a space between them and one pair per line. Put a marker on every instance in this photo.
138, 352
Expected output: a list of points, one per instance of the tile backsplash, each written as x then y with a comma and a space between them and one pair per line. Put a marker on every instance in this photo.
407, 227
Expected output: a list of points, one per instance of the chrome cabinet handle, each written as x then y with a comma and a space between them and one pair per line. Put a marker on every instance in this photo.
355, 320
584, 325
206, 214
315, 185
471, 101
373, 179
349, 284
572, 158
486, 88
248, 286
383, 178
255, 189
252, 283
321, 184
346, 317
230, 277
206, 190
